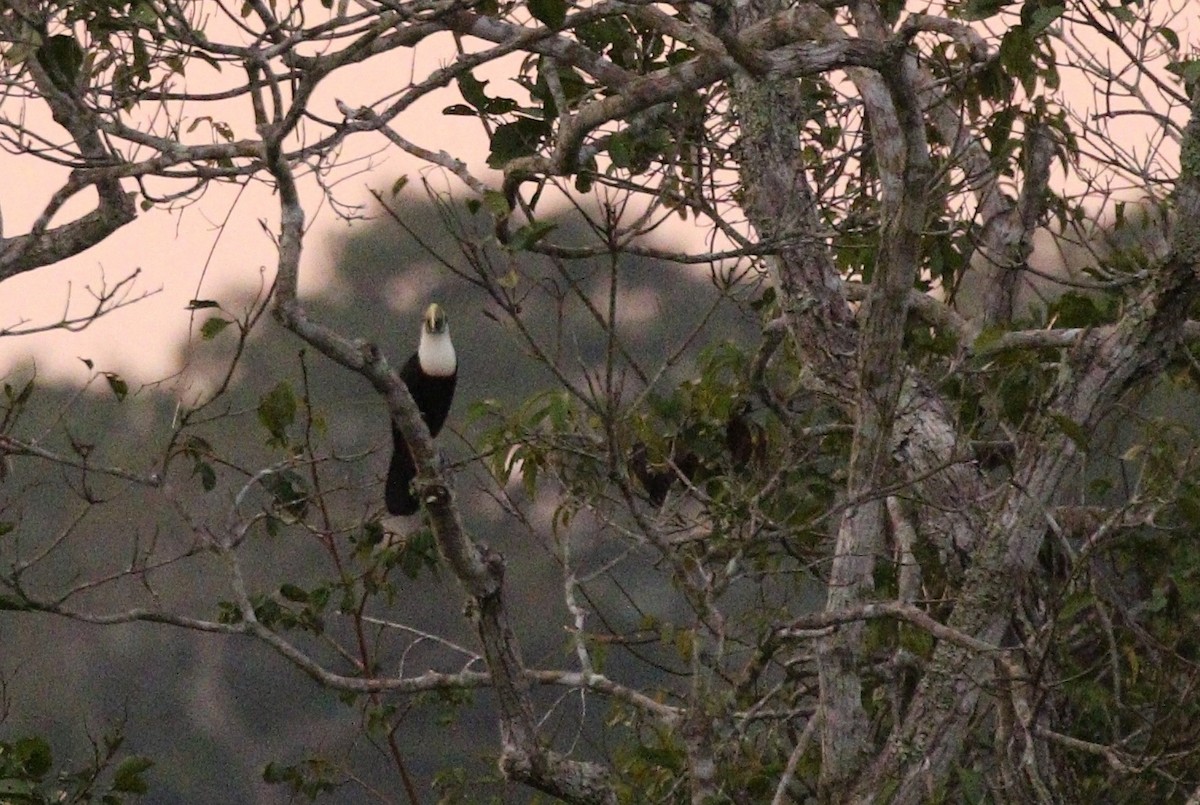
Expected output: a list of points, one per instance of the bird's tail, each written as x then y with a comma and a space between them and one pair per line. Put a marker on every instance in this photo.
397, 494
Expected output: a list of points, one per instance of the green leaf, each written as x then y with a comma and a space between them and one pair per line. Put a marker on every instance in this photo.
274, 773
208, 476
1018, 56
10, 604
1074, 309
143, 14
224, 130
267, 611
529, 477
310, 778
418, 553
501, 106
621, 149
128, 779
1043, 17
551, 12
34, 756
201, 304
495, 202
1072, 430
119, 387
518, 139
293, 593
369, 536
1187, 69
586, 177
982, 9
1122, 13
460, 110
62, 58
571, 83
1169, 35
277, 411
213, 327
289, 491
1189, 508
987, 337
21, 397
527, 236
472, 91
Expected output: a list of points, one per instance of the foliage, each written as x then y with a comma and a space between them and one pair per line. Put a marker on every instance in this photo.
859, 465
27, 775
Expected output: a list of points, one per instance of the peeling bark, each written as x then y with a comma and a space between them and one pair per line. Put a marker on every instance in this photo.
1103, 367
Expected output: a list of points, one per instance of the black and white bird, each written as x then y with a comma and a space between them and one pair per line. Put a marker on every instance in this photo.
430, 375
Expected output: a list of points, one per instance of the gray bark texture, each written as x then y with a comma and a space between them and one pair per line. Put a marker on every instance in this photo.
898, 418
777, 684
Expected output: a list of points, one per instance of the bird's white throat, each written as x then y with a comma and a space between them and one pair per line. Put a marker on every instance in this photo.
436, 354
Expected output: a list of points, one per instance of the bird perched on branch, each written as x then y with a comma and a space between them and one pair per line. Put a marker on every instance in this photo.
430, 375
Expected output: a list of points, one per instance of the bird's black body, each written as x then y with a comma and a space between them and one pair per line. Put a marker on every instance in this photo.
433, 394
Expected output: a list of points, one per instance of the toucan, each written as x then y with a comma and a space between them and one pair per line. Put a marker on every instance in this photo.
430, 375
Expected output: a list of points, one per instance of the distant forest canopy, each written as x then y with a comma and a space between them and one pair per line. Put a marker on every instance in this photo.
208, 705
879, 488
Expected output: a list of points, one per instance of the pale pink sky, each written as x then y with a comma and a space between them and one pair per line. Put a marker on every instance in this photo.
213, 249
173, 250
